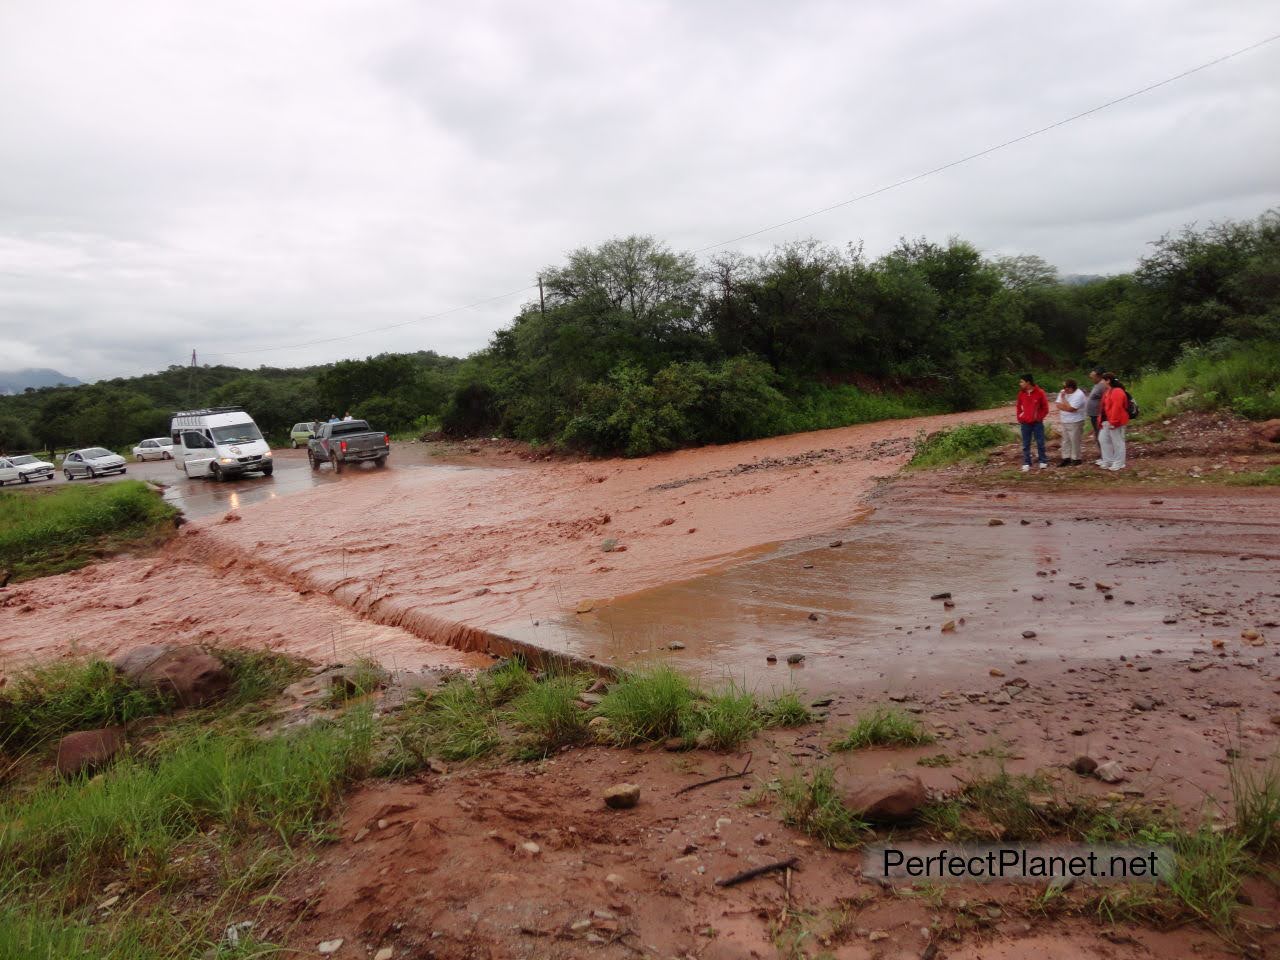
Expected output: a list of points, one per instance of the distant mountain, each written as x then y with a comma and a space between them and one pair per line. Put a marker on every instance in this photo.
15, 381
1081, 279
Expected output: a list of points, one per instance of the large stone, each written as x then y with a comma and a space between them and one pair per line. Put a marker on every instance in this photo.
1269, 431
886, 797
187, 674
88, 750
622, 796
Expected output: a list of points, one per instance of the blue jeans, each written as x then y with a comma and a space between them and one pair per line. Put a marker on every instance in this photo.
1030, 430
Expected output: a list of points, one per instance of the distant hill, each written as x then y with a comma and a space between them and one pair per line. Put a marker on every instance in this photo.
15, 381
1082, 279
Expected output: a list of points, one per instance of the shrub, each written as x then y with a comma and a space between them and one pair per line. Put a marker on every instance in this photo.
550, 713
785, 710
958, 443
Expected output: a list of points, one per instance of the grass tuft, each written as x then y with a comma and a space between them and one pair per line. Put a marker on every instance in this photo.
729, 715
812, 804
549, 713
1255, 798
884, 726
649, 705
785, 710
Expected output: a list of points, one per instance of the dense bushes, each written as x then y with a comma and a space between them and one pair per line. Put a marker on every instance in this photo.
1244, 377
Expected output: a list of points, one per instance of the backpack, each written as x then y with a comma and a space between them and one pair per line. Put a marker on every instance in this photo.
1132, 407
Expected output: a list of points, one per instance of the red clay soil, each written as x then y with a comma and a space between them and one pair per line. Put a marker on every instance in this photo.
440, 868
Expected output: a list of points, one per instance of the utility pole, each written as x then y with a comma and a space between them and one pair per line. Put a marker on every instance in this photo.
542, 303
192, 394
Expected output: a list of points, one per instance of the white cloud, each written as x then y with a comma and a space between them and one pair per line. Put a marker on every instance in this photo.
235, 176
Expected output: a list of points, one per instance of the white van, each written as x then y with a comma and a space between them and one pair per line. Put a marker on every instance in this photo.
219, 442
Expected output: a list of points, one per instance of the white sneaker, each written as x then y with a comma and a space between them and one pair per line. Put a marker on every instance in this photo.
1043, 465
1026, 467
1099, 463
1116, 466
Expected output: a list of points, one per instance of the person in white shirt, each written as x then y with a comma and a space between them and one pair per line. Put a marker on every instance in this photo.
1070, 405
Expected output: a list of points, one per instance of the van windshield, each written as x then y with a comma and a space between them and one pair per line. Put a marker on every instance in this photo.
237, 433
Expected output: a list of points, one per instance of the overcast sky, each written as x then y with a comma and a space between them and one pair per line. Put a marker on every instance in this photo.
234, 176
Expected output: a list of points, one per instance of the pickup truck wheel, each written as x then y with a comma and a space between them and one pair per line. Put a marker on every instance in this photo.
311, 459
336, 461
380, 462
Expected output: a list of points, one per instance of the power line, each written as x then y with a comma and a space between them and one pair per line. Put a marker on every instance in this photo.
813, 213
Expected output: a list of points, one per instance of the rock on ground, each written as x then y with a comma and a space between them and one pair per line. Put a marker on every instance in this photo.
887, 797
87, 750
187, 673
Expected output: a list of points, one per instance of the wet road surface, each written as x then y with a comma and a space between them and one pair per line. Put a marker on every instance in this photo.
206, 497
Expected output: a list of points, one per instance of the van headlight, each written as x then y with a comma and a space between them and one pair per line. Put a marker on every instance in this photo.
225, 460
267, 455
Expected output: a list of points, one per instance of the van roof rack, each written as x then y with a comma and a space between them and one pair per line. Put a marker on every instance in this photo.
207, 410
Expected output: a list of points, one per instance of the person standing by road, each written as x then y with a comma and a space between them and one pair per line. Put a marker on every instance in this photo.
1070, 405
1032, 408
1093, 408
1115, 416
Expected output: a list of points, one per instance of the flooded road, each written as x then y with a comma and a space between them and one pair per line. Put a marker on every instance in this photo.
202, 498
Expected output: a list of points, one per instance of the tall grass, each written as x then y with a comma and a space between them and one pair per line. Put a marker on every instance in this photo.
651, 704
48, 701
724, 719
823, 407
958, 443
136, 813
813, 804
549, 713
60, 529
1222, 375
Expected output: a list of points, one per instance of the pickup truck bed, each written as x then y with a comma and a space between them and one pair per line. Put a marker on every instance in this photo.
348, 441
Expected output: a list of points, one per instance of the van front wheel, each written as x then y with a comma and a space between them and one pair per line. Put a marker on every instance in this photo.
217, 473
269, 469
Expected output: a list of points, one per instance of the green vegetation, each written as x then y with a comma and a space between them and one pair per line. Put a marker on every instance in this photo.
959, 443
1223, 374
641, 348
785, 710
63, 528
648, 705
550, 714
813, 804
724, 719
1256, 805
46, 702
883, 727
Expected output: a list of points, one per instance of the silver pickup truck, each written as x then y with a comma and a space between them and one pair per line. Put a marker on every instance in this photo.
348, 441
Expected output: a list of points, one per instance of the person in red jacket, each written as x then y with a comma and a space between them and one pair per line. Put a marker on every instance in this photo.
1113, 417
1032, 407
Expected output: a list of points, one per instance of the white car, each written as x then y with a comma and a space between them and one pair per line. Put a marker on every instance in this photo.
157, 448
25, 468
92, 462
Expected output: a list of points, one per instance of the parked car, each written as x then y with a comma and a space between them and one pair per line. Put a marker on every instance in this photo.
157, 448
301, 433
25, 468
219, 442
92, 462
347, 441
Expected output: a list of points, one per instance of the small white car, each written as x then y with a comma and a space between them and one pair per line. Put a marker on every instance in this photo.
25, 468
92, 462
157, 448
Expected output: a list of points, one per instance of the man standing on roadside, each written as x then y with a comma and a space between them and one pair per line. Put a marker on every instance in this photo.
1093, 407
1032, 408
1070, 404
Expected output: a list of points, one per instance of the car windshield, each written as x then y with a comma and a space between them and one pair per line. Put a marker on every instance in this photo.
237, 433
19, 461
93, 453
159, 441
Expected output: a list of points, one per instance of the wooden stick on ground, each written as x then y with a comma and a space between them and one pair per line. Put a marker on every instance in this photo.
757, 871
728, 776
